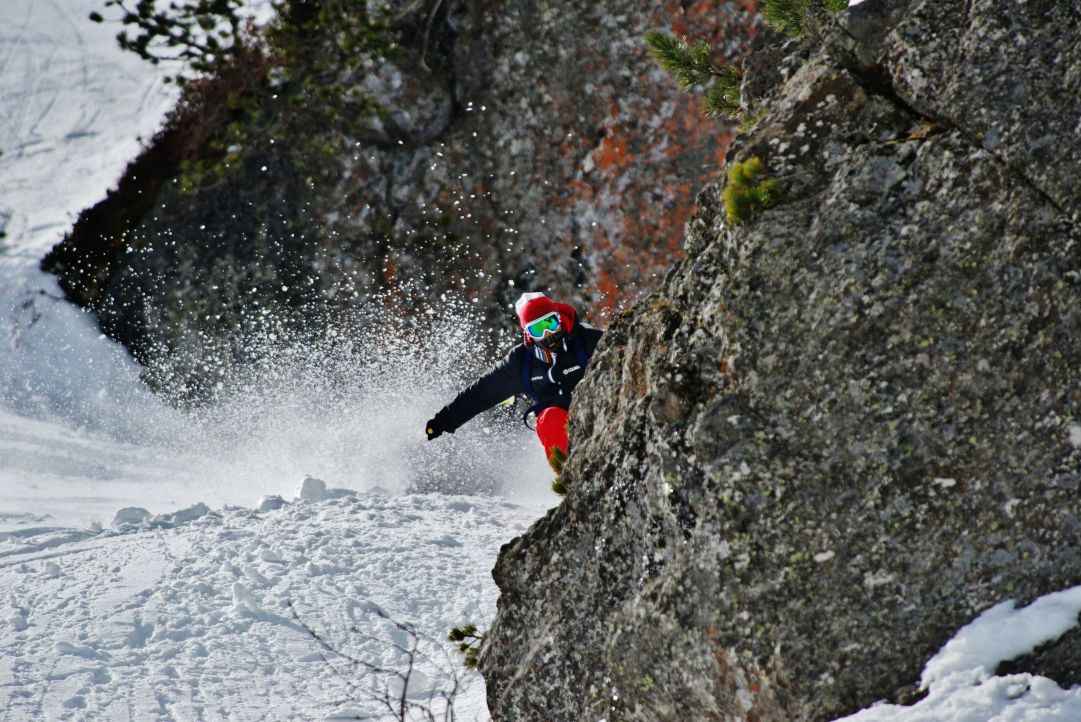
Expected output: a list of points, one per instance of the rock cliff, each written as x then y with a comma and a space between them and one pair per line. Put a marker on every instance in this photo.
514, 145
845, 426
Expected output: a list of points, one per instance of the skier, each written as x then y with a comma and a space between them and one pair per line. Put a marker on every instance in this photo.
546, 366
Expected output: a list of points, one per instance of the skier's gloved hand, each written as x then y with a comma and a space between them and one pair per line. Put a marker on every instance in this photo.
433, 429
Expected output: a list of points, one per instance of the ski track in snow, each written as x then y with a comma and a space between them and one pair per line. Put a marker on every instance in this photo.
72, 107
194, 622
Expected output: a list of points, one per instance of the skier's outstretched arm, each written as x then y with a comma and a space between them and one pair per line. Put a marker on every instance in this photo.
498, 384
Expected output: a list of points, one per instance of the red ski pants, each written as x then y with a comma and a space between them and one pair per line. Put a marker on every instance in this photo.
552, 429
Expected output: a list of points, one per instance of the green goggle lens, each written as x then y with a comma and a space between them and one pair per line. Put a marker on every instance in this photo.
545, 325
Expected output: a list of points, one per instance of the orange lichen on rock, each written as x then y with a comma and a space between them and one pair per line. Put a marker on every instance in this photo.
653, 151
612, 153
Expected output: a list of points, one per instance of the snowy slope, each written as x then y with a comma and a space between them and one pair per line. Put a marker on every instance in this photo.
73, 108
192, 620
195, 622
72, 111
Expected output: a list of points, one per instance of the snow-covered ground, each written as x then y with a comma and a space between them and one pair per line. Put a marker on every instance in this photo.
197, 603
213, 619
199, 610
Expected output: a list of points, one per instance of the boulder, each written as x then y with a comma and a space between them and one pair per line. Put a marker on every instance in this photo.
844, 426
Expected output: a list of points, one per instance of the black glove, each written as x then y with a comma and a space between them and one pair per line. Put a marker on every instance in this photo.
433, 429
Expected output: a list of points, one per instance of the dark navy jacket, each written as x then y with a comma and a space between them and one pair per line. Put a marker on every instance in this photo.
552, 384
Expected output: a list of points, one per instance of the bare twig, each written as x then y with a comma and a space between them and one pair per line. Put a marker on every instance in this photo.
396, 703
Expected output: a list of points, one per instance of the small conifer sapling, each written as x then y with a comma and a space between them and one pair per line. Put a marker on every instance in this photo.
748, 190
469, 641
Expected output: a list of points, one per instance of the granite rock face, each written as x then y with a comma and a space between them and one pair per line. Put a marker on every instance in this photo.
843, 428
521, 145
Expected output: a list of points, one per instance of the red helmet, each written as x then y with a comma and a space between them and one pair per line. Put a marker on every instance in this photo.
544, 322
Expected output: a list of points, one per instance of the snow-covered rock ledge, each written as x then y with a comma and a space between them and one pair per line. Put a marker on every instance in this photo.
960, 682
154, 618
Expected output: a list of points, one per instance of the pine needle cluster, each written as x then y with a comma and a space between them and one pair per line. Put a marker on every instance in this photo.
786, 16
243, 85
200, 32
557, 459
722, 100
469, 641
692, 65
748, 190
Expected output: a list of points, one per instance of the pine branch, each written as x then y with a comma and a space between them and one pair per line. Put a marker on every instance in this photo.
202, 32
690, 65
469, 641
786, 16
723, 98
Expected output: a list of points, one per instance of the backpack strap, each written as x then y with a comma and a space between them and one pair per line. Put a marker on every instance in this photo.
527, 374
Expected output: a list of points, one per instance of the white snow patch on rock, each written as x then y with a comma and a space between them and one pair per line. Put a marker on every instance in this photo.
960, 682
1001, 633
1075, 436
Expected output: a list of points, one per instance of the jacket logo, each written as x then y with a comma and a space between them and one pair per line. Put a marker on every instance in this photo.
572, 368
538, 378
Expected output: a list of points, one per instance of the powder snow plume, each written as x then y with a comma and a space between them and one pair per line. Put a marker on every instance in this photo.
350, 402
346, 404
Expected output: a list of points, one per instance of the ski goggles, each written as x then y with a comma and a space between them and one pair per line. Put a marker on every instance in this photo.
549, 323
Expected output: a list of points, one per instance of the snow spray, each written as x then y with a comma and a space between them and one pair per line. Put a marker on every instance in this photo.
346, 404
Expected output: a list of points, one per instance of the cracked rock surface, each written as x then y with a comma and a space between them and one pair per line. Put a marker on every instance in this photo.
843, 428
